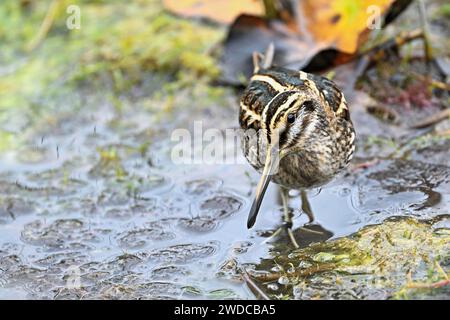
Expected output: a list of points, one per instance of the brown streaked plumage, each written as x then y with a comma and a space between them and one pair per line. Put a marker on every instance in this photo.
301, 134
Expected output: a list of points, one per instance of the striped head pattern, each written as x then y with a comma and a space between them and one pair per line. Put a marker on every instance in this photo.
292, 104
296, 112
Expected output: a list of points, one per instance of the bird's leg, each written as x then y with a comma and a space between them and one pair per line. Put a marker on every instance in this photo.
306, 207
287, 216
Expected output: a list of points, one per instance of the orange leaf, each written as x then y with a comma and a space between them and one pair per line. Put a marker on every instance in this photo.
341, 24
223, 11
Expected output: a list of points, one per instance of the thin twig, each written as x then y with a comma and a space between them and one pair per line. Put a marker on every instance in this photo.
45, 26
435, 83
378, 52
433, 119
270, 9
443, 133
252, 285
441, 271
426, 33
365, 164
312, 231
434, 285
304, 273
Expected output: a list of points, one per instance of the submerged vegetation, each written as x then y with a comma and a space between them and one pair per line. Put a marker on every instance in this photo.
395, 259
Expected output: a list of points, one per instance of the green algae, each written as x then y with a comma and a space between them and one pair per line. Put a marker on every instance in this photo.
372, 262
6, 140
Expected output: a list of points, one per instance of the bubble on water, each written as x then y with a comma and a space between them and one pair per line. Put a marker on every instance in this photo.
291, 270
297, 292
304, 265
292, 255
72, 277
272, 286
283, 280
276, 268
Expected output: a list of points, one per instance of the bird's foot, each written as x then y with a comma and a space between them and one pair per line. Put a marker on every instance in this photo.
287, 225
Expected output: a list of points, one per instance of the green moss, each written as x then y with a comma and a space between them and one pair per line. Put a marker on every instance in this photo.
378, 256
381, 141
119, 47
422, 142
444, 10
6, 140
109, 164
146, 38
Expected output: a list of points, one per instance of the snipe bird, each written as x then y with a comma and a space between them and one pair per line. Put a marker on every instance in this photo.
301, 132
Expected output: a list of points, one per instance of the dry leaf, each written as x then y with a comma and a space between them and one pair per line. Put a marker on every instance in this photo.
249, 34
341, 23
314, 35
223, 11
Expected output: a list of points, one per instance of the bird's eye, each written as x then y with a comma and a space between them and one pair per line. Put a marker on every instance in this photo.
291, 118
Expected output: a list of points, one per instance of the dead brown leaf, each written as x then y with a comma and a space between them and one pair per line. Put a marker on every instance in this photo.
313, 35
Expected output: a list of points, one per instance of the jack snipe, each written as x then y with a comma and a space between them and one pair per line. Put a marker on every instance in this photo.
301, 134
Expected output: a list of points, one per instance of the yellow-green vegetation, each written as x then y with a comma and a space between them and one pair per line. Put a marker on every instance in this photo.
119, 45
109, 164
5, 140
399, 257
442, 10
404, 150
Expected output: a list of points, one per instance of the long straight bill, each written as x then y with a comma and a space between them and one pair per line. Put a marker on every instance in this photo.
270, 167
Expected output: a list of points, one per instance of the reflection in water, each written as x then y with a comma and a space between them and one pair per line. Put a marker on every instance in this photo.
304, 235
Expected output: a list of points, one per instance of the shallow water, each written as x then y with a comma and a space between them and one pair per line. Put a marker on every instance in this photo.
81, 222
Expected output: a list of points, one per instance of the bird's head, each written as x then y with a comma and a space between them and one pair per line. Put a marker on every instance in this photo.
288, 122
